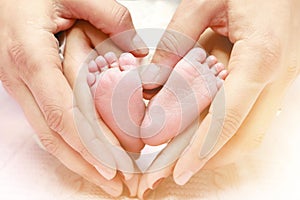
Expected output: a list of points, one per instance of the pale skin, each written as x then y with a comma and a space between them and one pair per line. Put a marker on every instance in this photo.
31, 72
248, 58
248, 50
263, 63
106, 70
117, 90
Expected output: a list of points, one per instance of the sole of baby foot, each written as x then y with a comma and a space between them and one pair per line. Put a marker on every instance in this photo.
118, 97
190, 88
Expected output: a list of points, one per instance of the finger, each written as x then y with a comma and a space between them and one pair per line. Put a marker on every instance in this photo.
55, 145
188, 23
164, 163
133, 184
112, 18
56, 103
77, 53
150, 181
231, 105
97, 39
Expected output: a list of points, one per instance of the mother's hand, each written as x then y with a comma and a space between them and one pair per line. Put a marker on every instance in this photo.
264, 61
31, 71
83, 44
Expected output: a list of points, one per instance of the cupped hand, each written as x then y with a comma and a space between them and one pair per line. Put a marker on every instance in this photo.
31, 71
264, 61
83, 44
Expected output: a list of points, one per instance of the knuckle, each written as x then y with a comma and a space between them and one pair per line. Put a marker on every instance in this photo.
272, 48
28, 63
54, 117
265, 52
50, 143
175, 42
270, 60
19, 58
121, 16
170, 43
271, 55
16, 52
35, 64
232, 123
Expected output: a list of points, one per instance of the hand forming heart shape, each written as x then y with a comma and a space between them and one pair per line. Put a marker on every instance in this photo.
117, 90
118, 98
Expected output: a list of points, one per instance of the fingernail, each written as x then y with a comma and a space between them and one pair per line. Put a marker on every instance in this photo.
183, 178
156, 184
146, 193
139, 45
108, 174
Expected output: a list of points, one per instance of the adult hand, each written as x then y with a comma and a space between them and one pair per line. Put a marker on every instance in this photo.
263, 62
83, 44
31, 71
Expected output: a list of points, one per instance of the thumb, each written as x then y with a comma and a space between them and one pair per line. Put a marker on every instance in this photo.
188, 23
110, 17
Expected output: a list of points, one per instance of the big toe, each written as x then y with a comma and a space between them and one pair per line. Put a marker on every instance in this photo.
127, 61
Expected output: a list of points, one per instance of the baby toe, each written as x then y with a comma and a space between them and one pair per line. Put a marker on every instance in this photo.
217, 68
219, 82
91, 79
92, 66
223, 74
196, 55
101, 63
211, 60
111, 59
127, 61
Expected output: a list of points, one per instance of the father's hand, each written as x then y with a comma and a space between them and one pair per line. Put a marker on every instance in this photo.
264, 60
83, 44
31, 71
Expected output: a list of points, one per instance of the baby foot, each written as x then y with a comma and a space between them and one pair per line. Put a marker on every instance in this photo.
190, 88
117, 90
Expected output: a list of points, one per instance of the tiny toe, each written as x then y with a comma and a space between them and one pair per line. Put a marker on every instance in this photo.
223, 74
111, 59
127, 61
196, 54
93, 67
211, 60
217, 68
101, 63
219, 82
91, 79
